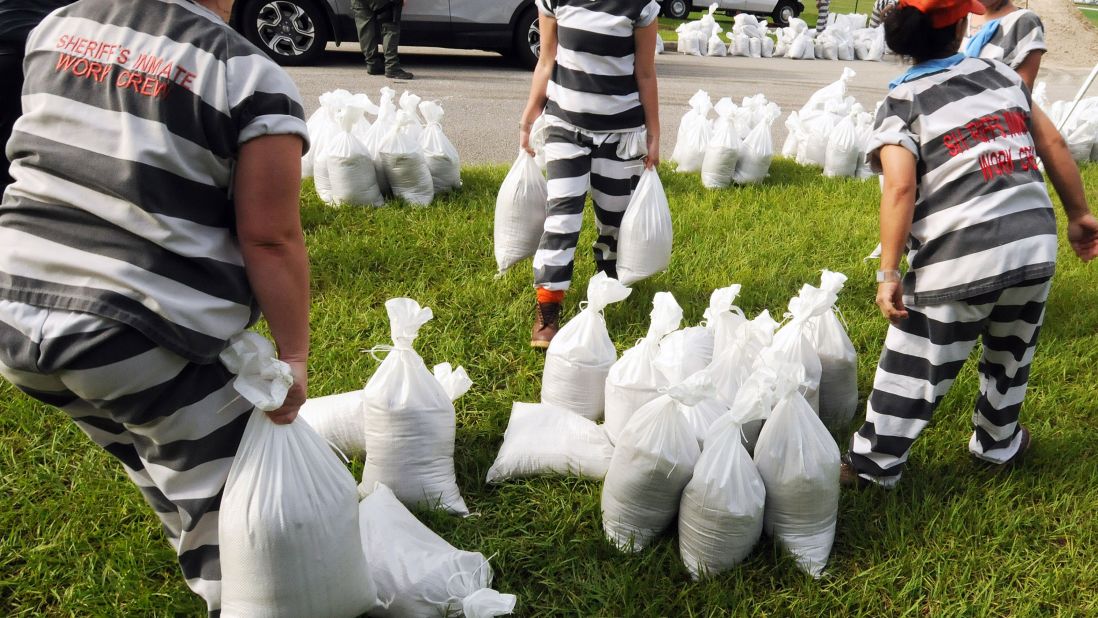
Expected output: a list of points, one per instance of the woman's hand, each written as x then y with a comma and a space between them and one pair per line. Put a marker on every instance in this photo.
1082, 233
524, 138
890, 301
295, 397
652, 159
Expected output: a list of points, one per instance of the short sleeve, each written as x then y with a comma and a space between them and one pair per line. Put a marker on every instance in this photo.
263, 99
547, 7
892, 127
647, 15
1027, 35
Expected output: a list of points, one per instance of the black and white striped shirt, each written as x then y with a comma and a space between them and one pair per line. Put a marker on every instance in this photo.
983, 219
593, 86
123, 162
1019, 33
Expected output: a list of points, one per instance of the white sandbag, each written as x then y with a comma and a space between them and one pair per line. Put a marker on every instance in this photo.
409, 104
410, 421
838, 361
799, 464
405, 164
652, 463
878, 46
581, 353
755, 47
841, 158
321, 127
363, 124
634, 380
351, 175
1080, 139
685, 352
723, 317
756, 153
767, 49
812, 146
659, 44
417, 573
794, 342
741, 45
836, 90
693, 135
722, 507
288, 500
689, 42
645, 235
378, 131
723, 150
864, 128
716, 47
442, 158
696, 398
792, 135
734, 361
802, 47
544, 439
520, 212
826, 47
339, 419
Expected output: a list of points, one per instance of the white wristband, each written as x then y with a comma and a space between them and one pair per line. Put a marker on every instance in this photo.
884, 276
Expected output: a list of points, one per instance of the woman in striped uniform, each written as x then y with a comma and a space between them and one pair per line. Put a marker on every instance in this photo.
595, 82
153, 216
957, 140
1010, 34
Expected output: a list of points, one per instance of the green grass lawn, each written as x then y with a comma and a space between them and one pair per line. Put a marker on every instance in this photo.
952, 540
668, 25
1091, 14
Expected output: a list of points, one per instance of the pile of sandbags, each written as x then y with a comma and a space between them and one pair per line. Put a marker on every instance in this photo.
702, 37
357, 162
796, 41
750, 38
830, 131
738, 147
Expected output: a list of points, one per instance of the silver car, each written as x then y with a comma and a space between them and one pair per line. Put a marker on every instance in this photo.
779, 11
294, 32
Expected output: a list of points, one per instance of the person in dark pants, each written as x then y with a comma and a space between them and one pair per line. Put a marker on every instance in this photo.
17, 18
384, 15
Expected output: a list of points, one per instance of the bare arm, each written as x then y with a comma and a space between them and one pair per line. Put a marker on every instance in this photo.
897, 210
547, 59
1064, 174
267, 186
644, 68
1029, 67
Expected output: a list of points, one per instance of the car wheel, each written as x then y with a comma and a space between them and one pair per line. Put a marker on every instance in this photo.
292, 32
676, 9
784, 11
527, 46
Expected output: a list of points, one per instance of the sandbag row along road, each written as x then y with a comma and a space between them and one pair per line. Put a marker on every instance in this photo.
483, 93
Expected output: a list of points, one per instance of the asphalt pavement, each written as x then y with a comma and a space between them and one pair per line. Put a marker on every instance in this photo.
484, 93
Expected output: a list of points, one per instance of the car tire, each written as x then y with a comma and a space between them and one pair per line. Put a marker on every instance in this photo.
527, 45
292, 32
677, 9
784, 11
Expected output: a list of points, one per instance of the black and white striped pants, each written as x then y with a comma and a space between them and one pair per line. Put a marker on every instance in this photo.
921, 358
575, 162
175, 425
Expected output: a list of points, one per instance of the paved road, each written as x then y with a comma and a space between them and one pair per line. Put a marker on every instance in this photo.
484, 93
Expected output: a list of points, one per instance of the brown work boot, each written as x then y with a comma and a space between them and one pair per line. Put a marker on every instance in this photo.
1016, 459
546, 324
848, 475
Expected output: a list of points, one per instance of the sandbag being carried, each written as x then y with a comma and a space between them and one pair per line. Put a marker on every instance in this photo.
442, 157
544, 439
838, 360
634, 380
645, 234
520, 212
288, 500
799, 464
410, 422
417, 573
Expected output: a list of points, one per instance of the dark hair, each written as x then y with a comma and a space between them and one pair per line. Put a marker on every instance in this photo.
908, 32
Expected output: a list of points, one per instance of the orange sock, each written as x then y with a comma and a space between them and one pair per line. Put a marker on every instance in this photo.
545, 295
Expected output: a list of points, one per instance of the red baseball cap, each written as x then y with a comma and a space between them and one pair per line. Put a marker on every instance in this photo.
945, 12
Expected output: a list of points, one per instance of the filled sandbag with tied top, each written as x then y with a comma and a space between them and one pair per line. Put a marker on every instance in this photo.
442, 157
351, 176
544, 439
838, 359
404, 162
520, 212
645, 234
693, 135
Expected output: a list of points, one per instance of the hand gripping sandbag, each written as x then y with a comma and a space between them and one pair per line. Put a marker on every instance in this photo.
723, 150
404, 162
633, 380
645, 235
351, 174
799, 464
693, 134
287, 501
580, 355
339, 419
838, 360
652, 463
417, 573
442, 157
520, 212
544, 439
696, 398
721, 512
410, 422
794, 342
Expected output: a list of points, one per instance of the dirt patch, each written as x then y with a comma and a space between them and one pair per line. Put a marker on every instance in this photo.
1072, 40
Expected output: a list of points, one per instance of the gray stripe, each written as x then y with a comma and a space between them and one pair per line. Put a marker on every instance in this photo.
986, 235
997, 282
182, 455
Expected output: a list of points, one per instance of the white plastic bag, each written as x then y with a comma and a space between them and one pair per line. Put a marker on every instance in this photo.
723, 149
633, 380
520, 212
756, 153
404, 162
659, 44
417, 573
645, 234
794, 342
799, 464
716, 46
410, 422
693, 135
841, 158
723, 317
653, 461
339, 419
544, 439
376, 134
351, 176
287, 500
733, 366
442, 157
581, 353
838, 361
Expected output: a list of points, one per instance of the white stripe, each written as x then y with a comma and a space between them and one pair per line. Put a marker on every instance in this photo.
999, 455
115, 134
126, 377
1018, 328
59, 323
553, 257
863, 447
198, 483
908, 387
209, 590
610, 203
256, 73
564, 224
33, 381
981, 209
201, 312
589, 103
567, 187
599, 22
197, 420
595, 65
617, 170
921, 347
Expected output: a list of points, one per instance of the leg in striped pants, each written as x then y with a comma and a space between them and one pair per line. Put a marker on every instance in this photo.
576, 163
173, 424
921, 358
823, 10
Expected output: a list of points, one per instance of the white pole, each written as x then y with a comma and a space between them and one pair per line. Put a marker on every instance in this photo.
1078, 97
